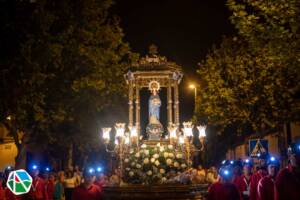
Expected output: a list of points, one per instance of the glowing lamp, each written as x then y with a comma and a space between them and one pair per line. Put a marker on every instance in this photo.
272, 158
99, 169
34, 166
120, 129
47, 169
226, 172
187, 129
181, 139
127, 140
106, 134
201, 130
91, 170
232, 162
172, 131
133, 131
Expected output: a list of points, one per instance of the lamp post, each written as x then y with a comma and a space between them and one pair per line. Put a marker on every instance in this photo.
194, 87
188, 134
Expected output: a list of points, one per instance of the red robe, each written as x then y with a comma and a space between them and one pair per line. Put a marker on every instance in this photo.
91, 193
288, 184
243, 184
49, 190
38, 189
2, 193
255, 178
266, 189
224, 191
99, 184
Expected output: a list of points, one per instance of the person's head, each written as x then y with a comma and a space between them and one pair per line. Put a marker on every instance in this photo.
247, 167
69, 174
61, 176
226, 174
273, 166
51, 177
89, 176
294, 154
237, 167
77, 168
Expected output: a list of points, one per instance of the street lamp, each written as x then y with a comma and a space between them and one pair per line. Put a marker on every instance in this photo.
194, 87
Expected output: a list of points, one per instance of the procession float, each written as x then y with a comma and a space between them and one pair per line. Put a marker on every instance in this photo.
154, 163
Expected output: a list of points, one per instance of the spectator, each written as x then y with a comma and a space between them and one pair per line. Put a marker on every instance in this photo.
59, 186
266, 189
255, 178
87, 190
50, 186
37, 191
78, 175
212, 175
224, 189
70, 184
288, 179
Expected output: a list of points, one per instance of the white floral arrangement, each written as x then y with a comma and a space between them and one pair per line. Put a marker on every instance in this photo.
150, 165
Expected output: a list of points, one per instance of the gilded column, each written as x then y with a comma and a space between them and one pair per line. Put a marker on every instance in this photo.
169, 94
176, 104
130, 103
137, 108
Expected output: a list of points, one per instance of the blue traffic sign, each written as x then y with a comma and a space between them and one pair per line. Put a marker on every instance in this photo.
258, 148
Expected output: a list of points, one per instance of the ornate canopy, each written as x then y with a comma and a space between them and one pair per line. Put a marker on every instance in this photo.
154, 68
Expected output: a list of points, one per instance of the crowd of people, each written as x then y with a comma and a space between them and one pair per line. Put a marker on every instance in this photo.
62, 185
241, 180
235, 180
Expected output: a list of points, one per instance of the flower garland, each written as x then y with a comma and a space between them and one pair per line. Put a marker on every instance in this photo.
153, 164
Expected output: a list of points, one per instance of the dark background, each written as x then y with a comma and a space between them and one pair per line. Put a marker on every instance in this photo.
183, 30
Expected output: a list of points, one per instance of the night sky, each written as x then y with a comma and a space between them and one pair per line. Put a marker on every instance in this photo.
184, 32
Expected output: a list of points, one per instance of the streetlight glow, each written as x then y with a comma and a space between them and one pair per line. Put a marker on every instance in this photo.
192, 86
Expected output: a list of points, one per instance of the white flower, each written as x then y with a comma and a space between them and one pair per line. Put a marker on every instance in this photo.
176, 164
146, 152
158, 144
138, 166
146, 160
179, 155
156, 163
169, 161
166, 154
149, 173
126, 160
164, 179
152, 160
170, 146
162, 171
155, 155
183, 165
137, 155
131, 173
144, 146
171, 155
133, 163
161, 149
127, 168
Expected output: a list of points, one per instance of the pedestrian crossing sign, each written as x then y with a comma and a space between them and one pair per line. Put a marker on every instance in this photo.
258, 148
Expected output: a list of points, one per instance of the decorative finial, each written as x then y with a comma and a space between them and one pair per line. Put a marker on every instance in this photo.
153, 49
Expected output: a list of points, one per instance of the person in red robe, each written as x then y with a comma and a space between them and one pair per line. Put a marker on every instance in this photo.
50, 187
243, 181
288, 179
37, 191
87, 190
255, 178
266, 189
100, 180
224, 189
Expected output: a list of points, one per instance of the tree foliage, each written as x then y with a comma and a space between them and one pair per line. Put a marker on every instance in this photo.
253, 78
68, 70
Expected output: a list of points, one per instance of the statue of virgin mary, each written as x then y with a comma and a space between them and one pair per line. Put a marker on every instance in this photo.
154, 106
